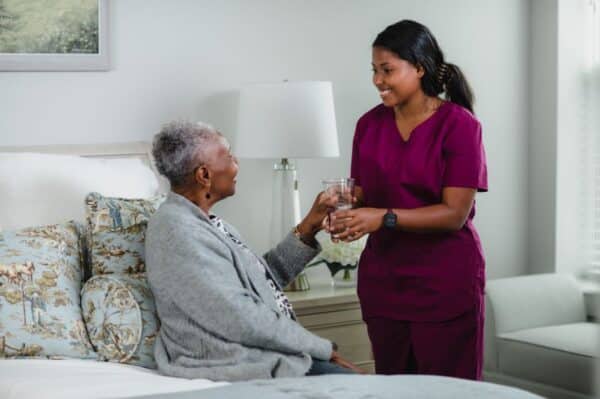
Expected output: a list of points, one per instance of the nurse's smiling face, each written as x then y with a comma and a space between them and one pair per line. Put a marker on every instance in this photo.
396, 80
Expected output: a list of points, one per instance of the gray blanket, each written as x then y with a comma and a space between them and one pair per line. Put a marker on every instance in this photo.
357, 387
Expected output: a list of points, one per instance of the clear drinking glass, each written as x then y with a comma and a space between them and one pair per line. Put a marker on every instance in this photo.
343, 187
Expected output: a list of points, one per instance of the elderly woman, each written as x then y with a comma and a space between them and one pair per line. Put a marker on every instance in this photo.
223, 313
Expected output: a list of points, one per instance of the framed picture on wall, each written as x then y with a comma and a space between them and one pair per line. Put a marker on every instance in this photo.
57, 35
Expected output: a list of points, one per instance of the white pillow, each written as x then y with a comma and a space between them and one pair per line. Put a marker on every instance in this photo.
40, 189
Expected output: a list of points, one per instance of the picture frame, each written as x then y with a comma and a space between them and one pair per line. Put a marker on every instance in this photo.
75, 61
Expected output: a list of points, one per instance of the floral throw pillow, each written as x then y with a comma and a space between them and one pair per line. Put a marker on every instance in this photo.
116, 232
121, 318
40, 281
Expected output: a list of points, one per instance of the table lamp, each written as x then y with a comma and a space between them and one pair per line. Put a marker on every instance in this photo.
285, 121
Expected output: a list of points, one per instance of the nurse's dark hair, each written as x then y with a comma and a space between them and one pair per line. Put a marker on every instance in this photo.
413, 42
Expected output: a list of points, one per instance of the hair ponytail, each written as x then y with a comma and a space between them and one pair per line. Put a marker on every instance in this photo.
457, 88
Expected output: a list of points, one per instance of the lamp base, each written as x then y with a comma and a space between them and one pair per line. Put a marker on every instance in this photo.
300, 283
286, 212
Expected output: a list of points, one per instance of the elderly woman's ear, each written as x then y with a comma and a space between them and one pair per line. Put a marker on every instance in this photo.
203, 175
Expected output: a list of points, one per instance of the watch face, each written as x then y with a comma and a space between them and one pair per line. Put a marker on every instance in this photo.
389, 220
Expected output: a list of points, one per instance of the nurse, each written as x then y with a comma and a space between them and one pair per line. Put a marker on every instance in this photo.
418, 161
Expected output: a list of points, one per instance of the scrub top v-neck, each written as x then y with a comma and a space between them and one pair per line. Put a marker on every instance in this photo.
419, 276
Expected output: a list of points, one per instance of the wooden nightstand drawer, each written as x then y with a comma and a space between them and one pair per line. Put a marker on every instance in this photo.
331, 318
334, 314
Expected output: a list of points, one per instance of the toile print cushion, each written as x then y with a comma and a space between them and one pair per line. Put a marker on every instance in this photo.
40, 281
121, 319
116, 232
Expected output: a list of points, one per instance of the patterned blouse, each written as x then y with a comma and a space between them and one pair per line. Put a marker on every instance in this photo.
284, 305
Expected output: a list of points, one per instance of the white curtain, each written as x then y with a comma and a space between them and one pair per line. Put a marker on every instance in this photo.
592, 136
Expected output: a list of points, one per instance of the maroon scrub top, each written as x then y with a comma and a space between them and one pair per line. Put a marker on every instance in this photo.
419, 276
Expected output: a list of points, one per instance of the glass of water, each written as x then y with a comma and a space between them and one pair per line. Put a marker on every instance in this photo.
343, 189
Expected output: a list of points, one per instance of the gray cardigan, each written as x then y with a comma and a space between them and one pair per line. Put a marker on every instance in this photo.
219, 318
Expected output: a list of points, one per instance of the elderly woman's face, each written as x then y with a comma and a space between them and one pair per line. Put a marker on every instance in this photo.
224, 170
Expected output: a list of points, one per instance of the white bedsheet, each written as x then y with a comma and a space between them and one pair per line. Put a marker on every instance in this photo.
66, 379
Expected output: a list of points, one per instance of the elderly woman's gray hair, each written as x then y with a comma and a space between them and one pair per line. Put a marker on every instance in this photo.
182, 146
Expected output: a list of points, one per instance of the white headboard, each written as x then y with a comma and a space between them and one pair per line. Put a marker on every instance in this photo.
34, 191
131, 149
134, 149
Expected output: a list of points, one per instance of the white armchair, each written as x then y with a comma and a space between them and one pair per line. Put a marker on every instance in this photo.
537, 336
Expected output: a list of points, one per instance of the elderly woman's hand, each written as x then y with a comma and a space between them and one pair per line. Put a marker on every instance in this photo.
340, 361
322, 206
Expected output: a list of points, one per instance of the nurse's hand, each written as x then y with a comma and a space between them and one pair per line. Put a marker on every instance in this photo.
350, 225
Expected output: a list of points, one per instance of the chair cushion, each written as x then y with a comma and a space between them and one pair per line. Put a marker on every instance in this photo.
51, 188
120, 316
561, 355
116, 232
40, 280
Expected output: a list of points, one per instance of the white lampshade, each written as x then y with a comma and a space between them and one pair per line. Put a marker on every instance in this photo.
287, 120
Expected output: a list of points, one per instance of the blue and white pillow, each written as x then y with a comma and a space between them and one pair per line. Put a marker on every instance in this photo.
116, 232
121, 319
40, 282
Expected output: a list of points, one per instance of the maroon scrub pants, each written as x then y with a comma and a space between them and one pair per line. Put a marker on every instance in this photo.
452, 348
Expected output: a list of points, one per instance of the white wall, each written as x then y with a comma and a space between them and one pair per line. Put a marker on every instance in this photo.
179, 59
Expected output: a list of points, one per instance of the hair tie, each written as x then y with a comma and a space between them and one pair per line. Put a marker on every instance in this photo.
443, 75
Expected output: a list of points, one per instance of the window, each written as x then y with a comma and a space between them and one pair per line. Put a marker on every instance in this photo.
592, 127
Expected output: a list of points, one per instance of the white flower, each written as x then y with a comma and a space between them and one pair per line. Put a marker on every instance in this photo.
345, 253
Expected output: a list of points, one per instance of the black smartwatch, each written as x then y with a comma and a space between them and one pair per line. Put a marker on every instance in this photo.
390, 219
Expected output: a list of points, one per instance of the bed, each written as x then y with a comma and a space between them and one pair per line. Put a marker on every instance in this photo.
78, 378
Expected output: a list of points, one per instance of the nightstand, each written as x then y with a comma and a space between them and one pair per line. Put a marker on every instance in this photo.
334, 314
